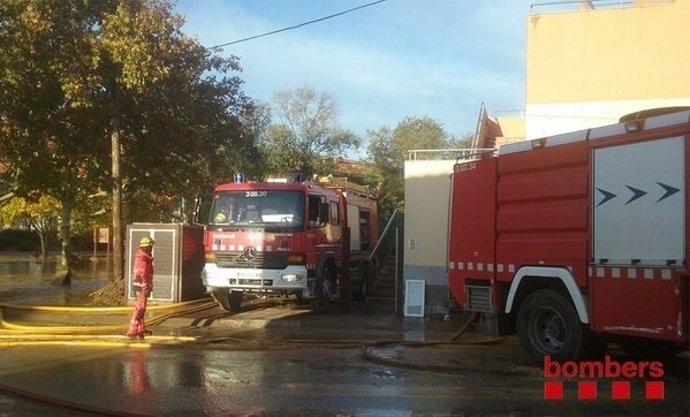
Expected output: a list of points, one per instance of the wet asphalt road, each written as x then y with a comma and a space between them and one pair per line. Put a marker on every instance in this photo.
267, 372
300, 368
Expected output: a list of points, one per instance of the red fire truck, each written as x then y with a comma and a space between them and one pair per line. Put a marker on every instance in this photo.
289, 238
579, 239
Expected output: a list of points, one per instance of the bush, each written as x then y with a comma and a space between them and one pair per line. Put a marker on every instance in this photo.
13, 240
21, 240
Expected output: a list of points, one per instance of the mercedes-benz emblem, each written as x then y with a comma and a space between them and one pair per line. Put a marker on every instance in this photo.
249, 254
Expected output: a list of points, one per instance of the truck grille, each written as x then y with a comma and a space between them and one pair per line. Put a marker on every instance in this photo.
263, 260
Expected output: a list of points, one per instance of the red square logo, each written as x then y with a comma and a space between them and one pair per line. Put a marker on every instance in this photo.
587, 390
654, 390
553, 390
620, 390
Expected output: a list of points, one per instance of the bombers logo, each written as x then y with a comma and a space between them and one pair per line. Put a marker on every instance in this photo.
587, 372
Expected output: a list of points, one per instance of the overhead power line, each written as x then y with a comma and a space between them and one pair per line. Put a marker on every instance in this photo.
321, 19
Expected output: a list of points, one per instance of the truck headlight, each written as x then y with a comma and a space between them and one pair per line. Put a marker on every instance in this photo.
292, 277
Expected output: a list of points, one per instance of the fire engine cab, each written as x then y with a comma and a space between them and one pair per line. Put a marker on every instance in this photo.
578, 239
299, 238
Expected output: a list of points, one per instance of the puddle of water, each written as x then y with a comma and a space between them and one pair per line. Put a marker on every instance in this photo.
416, 335
24, 268
30, 282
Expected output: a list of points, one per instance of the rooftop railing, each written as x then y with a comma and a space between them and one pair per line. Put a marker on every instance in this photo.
575, 5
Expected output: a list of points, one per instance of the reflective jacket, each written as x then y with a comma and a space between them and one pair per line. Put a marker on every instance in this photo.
143, 268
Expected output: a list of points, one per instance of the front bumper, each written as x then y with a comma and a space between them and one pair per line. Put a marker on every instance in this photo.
291, 279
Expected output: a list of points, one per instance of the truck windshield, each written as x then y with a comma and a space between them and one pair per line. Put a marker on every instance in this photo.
266, 208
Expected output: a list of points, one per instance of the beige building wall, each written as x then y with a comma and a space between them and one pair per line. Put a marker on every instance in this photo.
512, 128
589, 67
427, 193
427, 188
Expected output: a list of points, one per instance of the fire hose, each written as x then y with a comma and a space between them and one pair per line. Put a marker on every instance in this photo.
13, 334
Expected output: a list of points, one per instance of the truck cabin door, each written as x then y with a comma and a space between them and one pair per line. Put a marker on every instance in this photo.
317, 211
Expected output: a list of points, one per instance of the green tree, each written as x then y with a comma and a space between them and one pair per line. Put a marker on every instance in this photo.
40, 215
389, 148
112, 95
188, 106
387, 180
307, 131
48, 140
242, 153
461, 142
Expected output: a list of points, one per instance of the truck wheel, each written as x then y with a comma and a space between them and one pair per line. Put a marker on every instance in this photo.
299, 297
229, 302
324, 290
548, 325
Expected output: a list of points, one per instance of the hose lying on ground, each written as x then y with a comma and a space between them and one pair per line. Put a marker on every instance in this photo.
20, 332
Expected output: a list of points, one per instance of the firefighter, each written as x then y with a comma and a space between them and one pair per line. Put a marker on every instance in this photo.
143, 274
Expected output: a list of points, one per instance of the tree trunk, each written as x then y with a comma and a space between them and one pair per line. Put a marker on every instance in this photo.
65, 220
115, 153
41, 228
43, 238
118, 260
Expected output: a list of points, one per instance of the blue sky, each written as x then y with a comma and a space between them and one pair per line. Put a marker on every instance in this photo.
436, 58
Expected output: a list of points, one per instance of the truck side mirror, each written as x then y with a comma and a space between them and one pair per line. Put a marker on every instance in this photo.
202, 207
197, 208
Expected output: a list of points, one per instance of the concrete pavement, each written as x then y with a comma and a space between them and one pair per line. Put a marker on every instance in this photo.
278, 359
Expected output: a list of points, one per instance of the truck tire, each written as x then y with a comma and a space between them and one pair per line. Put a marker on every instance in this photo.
548, 325
229, 301
325, 283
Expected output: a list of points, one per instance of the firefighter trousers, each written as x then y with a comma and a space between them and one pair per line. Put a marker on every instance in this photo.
136, 322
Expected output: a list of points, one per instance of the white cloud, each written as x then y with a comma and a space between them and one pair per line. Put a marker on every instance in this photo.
440, 59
